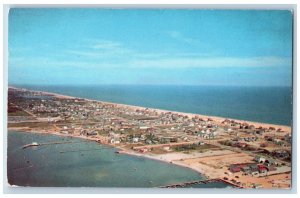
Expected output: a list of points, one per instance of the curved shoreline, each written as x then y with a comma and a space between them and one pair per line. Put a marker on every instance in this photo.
121, 150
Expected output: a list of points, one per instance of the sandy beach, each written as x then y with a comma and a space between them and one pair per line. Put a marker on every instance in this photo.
133, 107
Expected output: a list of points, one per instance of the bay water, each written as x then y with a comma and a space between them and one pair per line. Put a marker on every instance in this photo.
86, 164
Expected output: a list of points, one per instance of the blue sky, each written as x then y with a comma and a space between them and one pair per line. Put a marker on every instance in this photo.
121, 46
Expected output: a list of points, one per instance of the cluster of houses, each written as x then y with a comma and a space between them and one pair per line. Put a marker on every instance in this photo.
283, 141
137, 119
237, 125
238, 144
246, 127
121, 123
261, 165
250, 169
282, 154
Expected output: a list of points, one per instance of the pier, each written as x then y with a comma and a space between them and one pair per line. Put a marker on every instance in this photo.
51, 143
181, 185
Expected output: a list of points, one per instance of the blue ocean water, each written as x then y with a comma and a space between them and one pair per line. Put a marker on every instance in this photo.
260, 104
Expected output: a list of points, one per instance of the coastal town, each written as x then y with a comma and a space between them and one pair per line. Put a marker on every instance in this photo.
242, 153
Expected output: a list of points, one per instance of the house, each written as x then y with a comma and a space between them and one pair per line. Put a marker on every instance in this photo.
253, 169
234, 168
114, 141
288, 138
278, 141
283, 154
269, 138
241, 145
246, 169
260, 131
262, 168
91, 133
148, 141
271, 128
269, 162
166, 148
263, 145
252, 127
135, 140
201, 134
143, 150
257, 186
259, 159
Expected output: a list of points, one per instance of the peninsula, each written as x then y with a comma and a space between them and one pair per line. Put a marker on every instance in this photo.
243, 153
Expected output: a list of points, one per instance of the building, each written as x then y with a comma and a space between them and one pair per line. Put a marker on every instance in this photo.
260, 159
262, 168
235, 168
253, 168
91, 133
246, 169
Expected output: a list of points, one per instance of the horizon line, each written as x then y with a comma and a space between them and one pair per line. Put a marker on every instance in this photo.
130, 84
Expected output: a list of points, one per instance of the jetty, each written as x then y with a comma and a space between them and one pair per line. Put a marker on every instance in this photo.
185, 184
50, 143
30, 145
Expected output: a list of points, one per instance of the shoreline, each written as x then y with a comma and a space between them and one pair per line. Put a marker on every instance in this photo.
287, 128
121, 151
203, 171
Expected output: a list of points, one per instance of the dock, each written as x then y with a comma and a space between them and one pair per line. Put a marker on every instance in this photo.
181, 185
50, 143
30, 145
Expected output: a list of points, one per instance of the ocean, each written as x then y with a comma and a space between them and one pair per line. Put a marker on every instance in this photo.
259, 104
87, 164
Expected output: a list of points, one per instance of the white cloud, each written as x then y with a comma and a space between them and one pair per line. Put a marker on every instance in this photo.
210, 62
158, 62
111, 54
106, 49
105, 45
99, 49
179, 37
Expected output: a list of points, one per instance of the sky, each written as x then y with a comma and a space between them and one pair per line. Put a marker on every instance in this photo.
172, 47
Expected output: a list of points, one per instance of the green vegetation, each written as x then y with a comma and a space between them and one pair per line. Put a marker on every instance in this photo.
185, 147
18, 113
15, 111
29, 124
195, 147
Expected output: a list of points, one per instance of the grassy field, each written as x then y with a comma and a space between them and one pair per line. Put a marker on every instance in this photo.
18, 112
29, 124
184, 148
